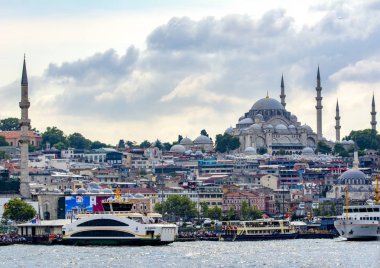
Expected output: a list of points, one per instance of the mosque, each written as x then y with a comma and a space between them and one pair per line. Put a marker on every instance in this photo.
270, 126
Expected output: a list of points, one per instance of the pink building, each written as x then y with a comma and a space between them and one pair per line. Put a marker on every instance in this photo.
235, 199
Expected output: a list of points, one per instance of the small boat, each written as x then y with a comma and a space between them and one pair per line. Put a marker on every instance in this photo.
117, 225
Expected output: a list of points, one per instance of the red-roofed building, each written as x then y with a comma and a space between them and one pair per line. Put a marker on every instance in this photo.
235, 200
13, 137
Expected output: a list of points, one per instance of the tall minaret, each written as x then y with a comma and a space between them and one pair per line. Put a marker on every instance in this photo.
373, 113
355, 163
24, 139
319, 107
282, 96
337, 123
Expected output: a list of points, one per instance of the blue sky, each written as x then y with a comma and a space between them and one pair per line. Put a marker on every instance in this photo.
155, 69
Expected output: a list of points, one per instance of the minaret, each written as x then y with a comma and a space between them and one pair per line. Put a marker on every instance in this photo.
355, 163
337, 123
282, 96
24, 139
319, 107
373, 113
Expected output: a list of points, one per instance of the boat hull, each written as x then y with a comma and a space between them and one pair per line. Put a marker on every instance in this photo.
113, 242
277, 237
353, 230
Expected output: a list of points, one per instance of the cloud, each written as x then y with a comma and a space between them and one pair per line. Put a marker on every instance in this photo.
206, 73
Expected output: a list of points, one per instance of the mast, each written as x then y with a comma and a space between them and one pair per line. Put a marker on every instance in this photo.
347, 202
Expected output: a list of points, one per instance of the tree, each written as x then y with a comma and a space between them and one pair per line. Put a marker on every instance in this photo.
262, 150
166, 146
215, 213
323, 148
10, 124
145, 144
60, 146
18, 210
158, 144
204, 132
365, 139
224, 143
231, 214
179, 138
97, 145
254, 213
121, 144
53, 135
131, 144
178, 206
77, 141
3, 142
204, 209
244, 211
340, 150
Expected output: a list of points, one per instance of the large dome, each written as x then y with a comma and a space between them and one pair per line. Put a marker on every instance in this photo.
267, 104
178, 148
353, 176
186, 141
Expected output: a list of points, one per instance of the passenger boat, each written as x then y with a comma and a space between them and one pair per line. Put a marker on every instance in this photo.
360, 222
117, 225
263, 229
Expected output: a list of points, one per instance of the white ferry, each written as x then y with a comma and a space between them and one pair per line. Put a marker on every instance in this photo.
359, 222
117, 225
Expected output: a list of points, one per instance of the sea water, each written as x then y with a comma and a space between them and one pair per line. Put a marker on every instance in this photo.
277, 253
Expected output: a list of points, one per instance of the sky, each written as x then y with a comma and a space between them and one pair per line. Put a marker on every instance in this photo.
152, 69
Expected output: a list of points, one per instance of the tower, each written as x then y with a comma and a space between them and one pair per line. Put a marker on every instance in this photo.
319, 107
337, 122
24, 139
282, 96
355, 163
373, 113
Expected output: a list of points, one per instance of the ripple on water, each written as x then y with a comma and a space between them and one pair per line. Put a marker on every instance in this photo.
290, 253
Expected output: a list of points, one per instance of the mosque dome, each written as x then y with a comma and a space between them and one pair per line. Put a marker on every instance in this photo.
293, 118
259, 117
254, 127
307, 128
267, 104
178, 148
229, 130
307, 151
281, 127
246, 121
202, 140
81, 191
250, 150
186, 141
269, 126
292, 128
354, 177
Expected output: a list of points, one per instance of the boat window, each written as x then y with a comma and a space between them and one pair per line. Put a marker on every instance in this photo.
102, 233
362, 210
356, 210
102, 222
376, 209
350, 210
370, 209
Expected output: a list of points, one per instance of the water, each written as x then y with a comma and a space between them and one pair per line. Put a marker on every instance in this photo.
286, 253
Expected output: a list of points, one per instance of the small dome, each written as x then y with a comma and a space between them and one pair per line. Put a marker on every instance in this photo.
293, 118
269, 126
291, 126
281, 127
95, 191
202, 140
93, 185
246, 121
56, 190
138, 195
307, 151
178, 148
267, 104
255, 127
307, 127
107, 191
186, 141
68, 191
81, 191
198, 153
188, 152
259, 117
250, 150
229, 131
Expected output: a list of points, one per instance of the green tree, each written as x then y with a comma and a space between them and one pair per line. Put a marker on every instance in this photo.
254, 213
77, 141
166, 146
158, 144
18, 210
10, 124
224, 143
215, 213
53, 135
323, 148
365, 139
340, 150
97, 145
131, 144
121, 144
231, 214
204, 210
145, 144
204, 132
179, 138
3, 142
262, 150
60, 146
178, 206
244, 211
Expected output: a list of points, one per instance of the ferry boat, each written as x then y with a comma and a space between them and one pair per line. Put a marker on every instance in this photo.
263, 229
360, 222
117, 225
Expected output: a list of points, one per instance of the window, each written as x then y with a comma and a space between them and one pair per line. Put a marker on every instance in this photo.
102, 233
102, 222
